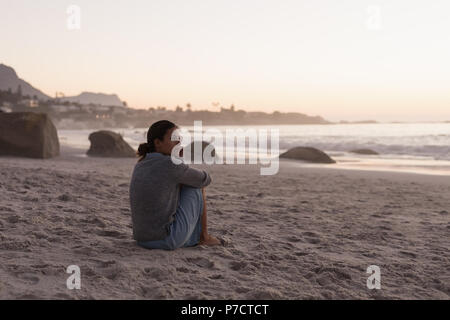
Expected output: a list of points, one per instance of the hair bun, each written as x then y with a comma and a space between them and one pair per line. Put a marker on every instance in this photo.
143, 149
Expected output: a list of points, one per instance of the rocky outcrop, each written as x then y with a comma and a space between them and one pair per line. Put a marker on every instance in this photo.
308, 154
28, 134
95, 98
10, 80
106, 143
364, 151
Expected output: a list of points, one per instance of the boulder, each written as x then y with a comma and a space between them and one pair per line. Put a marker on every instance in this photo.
106, 143
364, 151
196, 145
28, 134
308, 154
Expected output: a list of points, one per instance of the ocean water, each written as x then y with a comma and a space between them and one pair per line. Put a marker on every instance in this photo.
405, 147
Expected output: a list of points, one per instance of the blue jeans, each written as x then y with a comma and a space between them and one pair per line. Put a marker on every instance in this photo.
186, 227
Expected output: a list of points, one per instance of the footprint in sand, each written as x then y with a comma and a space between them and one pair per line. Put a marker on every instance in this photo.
312, 237
238, 265
61, 295
312, 240
264, 294
310, 234
300, 253
111, 233
64, 197
330, 273
28, 277
82, 250
201, 262
94, 221
156, 273
186, 270
107, 263
409, 254
290, 257
293, 239
242, 289
13, 219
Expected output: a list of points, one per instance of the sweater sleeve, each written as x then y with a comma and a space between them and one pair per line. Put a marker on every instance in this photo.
190, 176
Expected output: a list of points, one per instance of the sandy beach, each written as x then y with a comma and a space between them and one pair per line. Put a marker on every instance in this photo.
305, 233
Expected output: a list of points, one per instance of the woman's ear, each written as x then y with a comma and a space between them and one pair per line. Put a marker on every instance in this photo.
157, 143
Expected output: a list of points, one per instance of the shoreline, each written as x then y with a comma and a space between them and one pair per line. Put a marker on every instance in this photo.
371, 172
69, 153
73, 151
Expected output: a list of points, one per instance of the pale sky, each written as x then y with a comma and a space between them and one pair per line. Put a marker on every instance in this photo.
347, 59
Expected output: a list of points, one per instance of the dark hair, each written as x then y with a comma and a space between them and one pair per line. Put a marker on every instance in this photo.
156, 131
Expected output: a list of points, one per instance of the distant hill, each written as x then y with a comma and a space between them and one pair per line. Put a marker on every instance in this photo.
10, 80
95, 98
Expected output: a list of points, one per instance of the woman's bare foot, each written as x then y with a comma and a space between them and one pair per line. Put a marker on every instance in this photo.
209, 241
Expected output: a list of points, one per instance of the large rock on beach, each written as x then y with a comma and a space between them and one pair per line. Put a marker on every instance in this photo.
106, 143
28, 134
308, 154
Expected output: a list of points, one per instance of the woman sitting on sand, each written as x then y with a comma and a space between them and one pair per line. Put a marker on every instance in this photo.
168, 202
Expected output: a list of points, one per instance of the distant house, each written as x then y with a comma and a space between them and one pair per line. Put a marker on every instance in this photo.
31, 103
64, 108
101, 108
118, 110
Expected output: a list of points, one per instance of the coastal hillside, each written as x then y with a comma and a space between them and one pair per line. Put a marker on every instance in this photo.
95, 98
10, 81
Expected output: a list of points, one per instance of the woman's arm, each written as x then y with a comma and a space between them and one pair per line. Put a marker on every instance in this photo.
190, 176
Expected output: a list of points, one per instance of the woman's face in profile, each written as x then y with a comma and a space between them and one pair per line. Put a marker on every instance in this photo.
166, 145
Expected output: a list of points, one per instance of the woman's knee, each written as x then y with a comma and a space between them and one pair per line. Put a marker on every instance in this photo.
189, 189
191, 193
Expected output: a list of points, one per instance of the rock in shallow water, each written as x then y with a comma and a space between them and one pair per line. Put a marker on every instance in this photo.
106, 143
199, 147
364, 151
308, 154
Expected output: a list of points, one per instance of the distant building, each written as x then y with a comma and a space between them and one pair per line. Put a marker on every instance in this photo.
31, 103
63, 108
118, 110
101, 108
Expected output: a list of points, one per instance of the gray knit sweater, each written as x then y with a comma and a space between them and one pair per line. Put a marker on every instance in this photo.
154, 193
